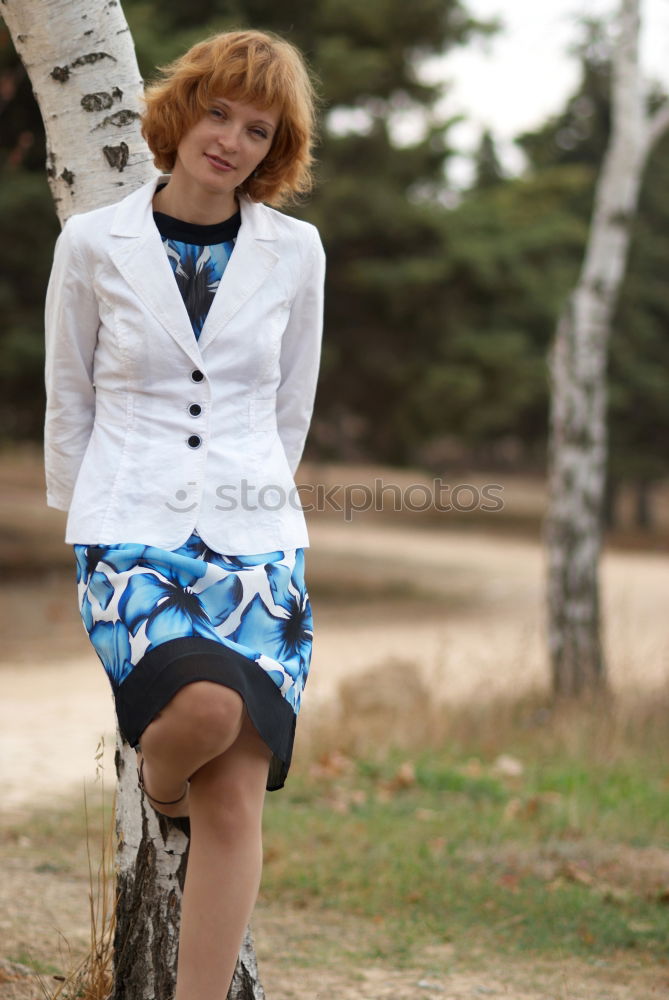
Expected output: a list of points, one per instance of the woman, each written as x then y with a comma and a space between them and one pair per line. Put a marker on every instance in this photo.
183, 329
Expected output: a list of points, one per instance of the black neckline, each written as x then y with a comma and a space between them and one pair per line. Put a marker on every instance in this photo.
192, 232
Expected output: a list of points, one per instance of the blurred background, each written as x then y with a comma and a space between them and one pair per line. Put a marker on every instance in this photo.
459, 149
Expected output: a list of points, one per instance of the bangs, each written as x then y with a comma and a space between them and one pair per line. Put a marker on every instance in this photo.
250, 77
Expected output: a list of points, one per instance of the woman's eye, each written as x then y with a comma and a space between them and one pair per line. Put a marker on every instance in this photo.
259, 132
216, 112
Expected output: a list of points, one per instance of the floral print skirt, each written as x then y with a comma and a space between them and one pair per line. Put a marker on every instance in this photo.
160, 619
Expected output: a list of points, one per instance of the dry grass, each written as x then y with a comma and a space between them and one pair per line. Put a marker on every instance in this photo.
391, 706
92, 977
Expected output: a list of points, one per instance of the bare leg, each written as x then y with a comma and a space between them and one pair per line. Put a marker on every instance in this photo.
224, 865
204, 734
200, 722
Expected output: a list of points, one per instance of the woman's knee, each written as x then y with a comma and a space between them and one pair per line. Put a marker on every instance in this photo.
202, 716
231, 809
228, 792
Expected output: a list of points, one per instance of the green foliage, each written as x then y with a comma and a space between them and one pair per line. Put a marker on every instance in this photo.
361, 52
512, 255
22, 145
639, 366
579, 133
29, 229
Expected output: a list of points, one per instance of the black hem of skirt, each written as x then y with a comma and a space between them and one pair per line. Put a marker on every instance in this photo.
166, 668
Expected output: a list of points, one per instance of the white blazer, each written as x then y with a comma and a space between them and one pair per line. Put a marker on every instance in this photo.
151, 433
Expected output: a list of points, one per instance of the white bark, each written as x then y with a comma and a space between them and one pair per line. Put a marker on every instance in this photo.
151, 861
84, 74
81, 62
577, 361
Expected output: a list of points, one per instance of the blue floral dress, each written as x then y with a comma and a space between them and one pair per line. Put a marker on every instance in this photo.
161, 619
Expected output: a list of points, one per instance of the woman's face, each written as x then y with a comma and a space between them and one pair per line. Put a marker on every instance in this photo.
226, 145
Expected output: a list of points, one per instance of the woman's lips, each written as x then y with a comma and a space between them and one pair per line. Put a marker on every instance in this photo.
219, 164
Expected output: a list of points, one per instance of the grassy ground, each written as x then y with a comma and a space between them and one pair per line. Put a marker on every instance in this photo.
527, 830
527, 855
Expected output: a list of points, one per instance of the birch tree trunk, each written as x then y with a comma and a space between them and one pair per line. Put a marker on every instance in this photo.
81, 63
577, 366
83, 70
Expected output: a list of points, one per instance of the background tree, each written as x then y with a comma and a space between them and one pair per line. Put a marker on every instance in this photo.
638, 400
488, 169
577, 445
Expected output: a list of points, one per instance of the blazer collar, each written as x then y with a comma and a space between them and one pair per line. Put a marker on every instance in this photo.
141, 259
135, 213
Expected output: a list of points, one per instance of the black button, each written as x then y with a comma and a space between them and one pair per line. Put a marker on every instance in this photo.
194, 441
195, 409
196, 375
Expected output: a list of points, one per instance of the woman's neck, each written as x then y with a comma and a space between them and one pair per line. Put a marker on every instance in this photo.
193, 204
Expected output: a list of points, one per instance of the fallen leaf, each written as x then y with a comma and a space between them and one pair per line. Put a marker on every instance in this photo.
404, 777
425, 815
576, 873
512, 809
508, 767
332, 764
473, 768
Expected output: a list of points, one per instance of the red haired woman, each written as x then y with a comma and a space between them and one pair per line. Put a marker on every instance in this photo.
183, 343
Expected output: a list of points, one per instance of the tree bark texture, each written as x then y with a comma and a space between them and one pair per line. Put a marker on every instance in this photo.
81, 61
577, 367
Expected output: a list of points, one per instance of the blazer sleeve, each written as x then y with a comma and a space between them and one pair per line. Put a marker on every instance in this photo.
71, 329
300, 355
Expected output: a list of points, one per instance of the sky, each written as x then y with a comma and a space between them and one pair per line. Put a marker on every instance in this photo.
514, 82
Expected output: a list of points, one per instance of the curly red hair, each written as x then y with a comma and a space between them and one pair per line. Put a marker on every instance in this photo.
252, 66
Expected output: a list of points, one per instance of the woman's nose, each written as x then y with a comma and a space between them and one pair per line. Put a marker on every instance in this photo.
228, 137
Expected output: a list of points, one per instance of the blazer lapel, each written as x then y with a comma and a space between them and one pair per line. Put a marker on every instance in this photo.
141, 259
249, 266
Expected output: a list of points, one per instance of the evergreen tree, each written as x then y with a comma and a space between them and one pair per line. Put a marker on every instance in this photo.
488, 170
578, 134
25, 249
